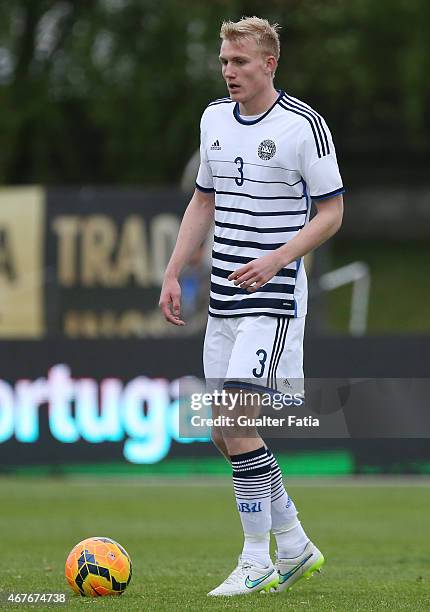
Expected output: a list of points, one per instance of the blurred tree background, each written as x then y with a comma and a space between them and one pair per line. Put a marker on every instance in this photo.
111, 91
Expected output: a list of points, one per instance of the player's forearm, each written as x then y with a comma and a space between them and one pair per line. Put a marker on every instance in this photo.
196, 222
322, 227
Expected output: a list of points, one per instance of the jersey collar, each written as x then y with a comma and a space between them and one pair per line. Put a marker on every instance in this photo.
243, 121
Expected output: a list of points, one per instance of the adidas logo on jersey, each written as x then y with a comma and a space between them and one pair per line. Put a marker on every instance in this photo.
216, 146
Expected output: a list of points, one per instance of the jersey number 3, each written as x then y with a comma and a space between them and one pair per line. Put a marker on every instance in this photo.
239, 163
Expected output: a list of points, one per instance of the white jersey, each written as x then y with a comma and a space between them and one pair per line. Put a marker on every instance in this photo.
264, 173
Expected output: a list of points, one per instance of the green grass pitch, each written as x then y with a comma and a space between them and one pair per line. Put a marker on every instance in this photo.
184, 536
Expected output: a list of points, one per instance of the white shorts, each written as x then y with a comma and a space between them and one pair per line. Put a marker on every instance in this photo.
260, 350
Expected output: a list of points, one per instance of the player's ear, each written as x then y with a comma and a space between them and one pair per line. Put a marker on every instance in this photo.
271, 64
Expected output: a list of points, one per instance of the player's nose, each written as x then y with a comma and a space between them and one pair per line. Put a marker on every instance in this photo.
228, 72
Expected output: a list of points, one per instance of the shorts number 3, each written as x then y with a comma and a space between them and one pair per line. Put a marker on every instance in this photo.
262, 361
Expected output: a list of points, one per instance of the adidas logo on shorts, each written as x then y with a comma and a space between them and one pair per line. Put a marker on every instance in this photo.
216, 146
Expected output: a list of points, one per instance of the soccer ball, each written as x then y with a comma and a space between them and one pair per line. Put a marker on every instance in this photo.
98, 566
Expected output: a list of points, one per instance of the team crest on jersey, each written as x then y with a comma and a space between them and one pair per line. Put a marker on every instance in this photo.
266, 149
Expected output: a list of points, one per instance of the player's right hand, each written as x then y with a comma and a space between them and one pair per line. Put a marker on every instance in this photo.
170, 301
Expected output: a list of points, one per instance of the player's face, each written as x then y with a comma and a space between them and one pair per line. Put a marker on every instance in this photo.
246, 71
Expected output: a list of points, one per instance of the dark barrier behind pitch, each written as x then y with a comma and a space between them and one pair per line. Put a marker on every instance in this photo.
128, 376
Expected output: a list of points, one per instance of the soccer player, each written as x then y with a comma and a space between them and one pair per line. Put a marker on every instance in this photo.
264, 156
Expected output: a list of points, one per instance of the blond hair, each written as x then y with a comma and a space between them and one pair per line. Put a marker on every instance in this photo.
265, 34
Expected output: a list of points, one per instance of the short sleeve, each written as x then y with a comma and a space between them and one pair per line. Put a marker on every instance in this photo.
317, 160
204, 180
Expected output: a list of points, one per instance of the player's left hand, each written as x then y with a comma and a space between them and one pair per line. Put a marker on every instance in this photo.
258, 272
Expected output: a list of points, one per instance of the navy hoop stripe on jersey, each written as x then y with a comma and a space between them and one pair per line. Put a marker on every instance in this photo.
259, 230
243, 313
221, 273
232, 258
217, 176
257, 197
319, 142
250, 244
297, 104
267, 288
255, 213
253, 302
289, 272
229, 161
